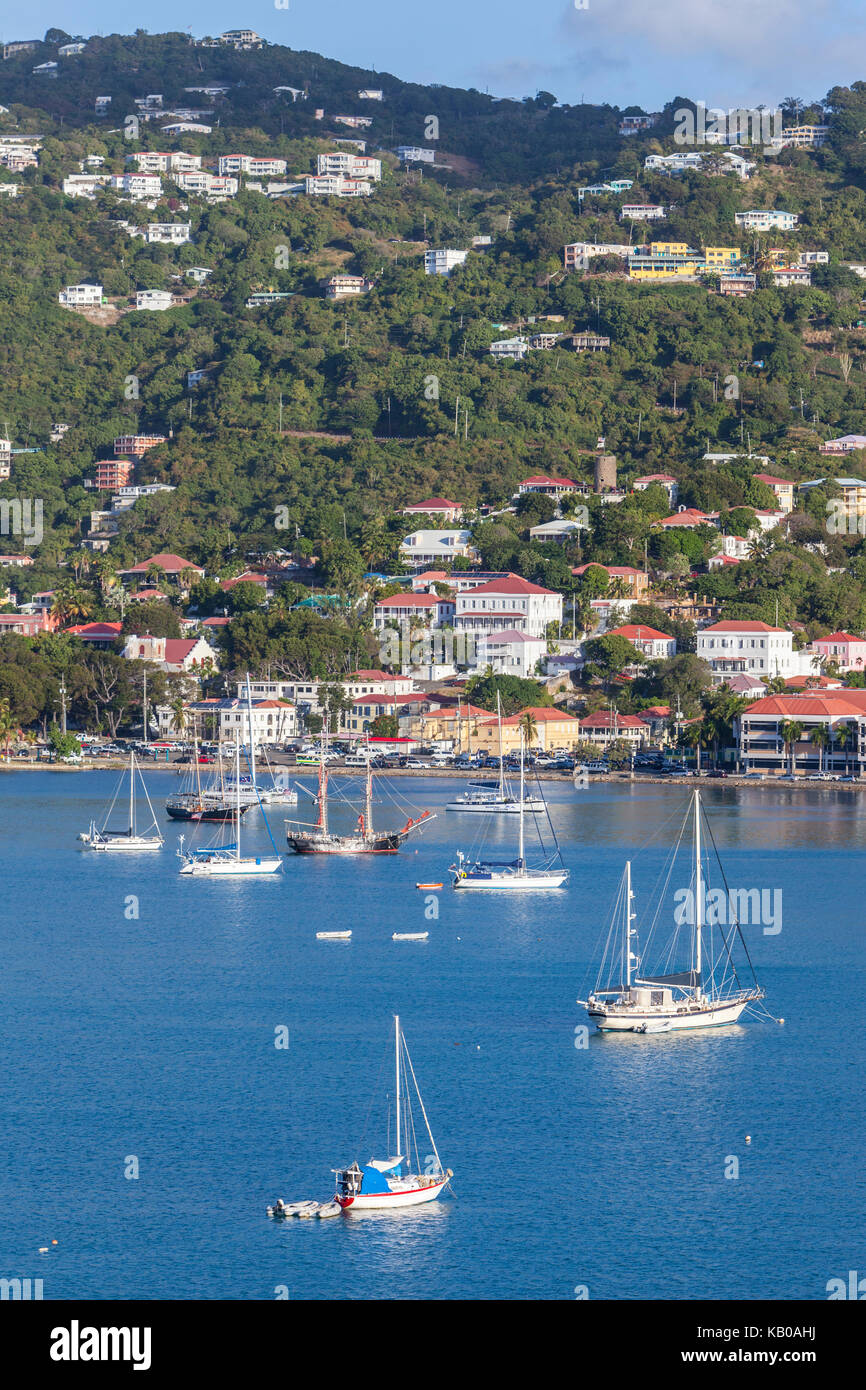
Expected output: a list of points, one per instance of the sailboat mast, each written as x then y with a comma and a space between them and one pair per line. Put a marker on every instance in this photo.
250, 721
699, 894
520, 818
501, 767
397, 1077
368, 800
323, 775
132, 793
238, 793
628, 920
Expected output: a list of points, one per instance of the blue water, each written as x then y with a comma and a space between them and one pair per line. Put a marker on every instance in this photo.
605, 1166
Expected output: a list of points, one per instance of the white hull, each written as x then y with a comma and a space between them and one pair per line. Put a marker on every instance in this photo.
708, 1015
234, 867
495, 808
514, 883
123, 844
389, 1201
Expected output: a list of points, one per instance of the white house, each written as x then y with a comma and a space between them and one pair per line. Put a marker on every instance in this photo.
791, 275
424, 548
510, 349
211, 185
436, 506
508, 603
752, 648
335, 186
577, 255
415, 154
765, 220
138, 185
442, 262
429, 609
157, 300
654, 645
509, 652
356, 166
172, 653
76, 295
164, 161
346, 286
84, 185
371, 94
168, 233
642, 212
251, 164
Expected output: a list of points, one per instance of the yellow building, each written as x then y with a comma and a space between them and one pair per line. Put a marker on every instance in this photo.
670, 248
554, 728
722, 256
649, 268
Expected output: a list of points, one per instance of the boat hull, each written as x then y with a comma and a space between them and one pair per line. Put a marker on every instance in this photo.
122, 845
206, 813
235, 868
344, 844
391, 1201
511, 883
495, 808
639, 1021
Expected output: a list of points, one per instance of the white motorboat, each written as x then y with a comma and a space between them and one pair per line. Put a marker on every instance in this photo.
705, 991
409, 935
128, 840
390, 1183
333, 935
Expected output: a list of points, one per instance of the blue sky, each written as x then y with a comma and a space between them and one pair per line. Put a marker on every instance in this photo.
728, 53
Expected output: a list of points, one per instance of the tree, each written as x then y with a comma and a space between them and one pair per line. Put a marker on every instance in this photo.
791, 733
8, 726
528, 727
820, 737
384, 726
515, 692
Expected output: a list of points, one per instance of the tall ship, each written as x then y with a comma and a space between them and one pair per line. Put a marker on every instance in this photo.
689, 980
319, 838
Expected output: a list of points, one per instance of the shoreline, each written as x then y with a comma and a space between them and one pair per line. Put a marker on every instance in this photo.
769, 780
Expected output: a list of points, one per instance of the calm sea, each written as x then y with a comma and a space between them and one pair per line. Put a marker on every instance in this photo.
147, 1043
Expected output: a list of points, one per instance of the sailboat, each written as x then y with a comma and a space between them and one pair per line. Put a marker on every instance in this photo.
390, 1182
276, 789
218, 860
494, 798
212, 803
320, 839
513, 875
101, 838
706, 993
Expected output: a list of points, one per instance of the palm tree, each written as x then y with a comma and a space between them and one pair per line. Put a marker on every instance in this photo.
820, 736
696, 736
843, 734
179, 717
528, 725
8, 726
70, 603
791, 733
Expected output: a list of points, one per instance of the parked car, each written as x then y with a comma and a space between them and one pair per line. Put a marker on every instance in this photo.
717, 772
416, 763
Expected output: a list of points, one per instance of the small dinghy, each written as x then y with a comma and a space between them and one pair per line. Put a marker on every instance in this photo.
307, 1210
428, 885
654, 1025
333, 935
409, 935
329, 1209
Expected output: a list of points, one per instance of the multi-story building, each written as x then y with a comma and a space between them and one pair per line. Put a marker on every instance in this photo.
550, 487
415, 154
84, 185
436, 506
427, 547
654, 645
5, 459
642, 212
607, 727
766, 220
168, 233
442, 262
783, 489
354, 122
578, 254
847, 653
137, 185
136, 444
112, 474
74, 296
251, 164
429, 609
635, 580
510, 653
211, 185
738, 284
355, 166
791, 275
665, 480
155, 300
241, 38
346, 286
804, 137
632, 125
510, 349
371, 94
759, 731
751, 648
845, 444
335, 186
165, 162
511, 602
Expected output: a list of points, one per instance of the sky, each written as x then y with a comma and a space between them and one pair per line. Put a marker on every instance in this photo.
728, 53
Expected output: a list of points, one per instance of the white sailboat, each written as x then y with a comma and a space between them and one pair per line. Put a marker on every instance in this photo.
222, 860
706, 993
129, 839
277, 788
514, 875
389, 1183
495, 797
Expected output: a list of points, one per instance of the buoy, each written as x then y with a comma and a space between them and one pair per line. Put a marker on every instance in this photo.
54, 1242
781, 1020
748, 1138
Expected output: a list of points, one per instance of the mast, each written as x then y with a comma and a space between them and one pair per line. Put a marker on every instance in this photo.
250, 721
323, 775
397, 1076
368, 800
520, 841
501, 769
131, 793
628, 922
238, 793
698, 888
197, 768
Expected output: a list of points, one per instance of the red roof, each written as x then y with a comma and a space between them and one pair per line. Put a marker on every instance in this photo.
833, 704
544, 714
770, 479
657, 711
249, 577
656, 478
604, 719
372, 676
741, 625
171, 564
636, 630
177, 648
620, 571
408, 601
94, 629
839, 637
215, 622
433, 504
511, 584
689, 516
